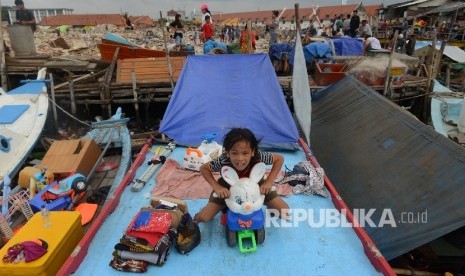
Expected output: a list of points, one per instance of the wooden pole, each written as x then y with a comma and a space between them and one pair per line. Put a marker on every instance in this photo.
3, 74
449, 65
297, 19
134, 91
81, 78
388, 73
54, 106
106, 85
168, 60
71, 95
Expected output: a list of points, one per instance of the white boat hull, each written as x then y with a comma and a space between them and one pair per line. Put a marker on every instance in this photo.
19, 135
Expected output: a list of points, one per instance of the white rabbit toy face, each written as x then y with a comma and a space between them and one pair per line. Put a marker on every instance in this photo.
245, 197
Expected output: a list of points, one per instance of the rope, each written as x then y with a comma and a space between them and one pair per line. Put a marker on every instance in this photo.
67, 113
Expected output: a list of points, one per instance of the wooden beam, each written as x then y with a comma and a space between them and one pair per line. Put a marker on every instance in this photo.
87, 76
168, 60
54, 106
134, 91
71, 95
391, 56
3, 74
106, 84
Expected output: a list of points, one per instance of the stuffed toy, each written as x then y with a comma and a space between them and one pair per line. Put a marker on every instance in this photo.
245, 197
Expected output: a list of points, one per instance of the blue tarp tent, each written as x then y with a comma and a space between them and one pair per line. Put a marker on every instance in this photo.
237, 91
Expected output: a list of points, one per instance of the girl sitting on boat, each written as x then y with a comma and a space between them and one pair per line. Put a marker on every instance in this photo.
241, 153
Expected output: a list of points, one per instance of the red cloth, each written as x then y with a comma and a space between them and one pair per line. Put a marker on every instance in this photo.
150, 226
207, 30
172, 180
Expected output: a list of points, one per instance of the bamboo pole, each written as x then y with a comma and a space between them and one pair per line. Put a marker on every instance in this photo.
168, 60
388, 73
134, 91
106, 94
71, 95
449, 65
297, 19
3, 74
54, 105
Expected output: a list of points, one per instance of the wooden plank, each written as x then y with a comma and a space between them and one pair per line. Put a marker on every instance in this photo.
149, 69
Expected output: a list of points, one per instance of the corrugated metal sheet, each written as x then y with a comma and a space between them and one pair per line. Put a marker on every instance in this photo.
412, 3
380, 156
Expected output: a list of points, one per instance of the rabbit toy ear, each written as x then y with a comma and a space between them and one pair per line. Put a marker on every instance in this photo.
258, 171
229, 175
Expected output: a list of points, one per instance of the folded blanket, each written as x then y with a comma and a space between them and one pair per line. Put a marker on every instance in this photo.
173, 180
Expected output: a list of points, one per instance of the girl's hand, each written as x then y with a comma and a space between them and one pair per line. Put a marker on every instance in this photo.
222, 192
265, 188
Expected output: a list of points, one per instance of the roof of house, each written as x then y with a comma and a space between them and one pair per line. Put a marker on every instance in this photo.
144, 20
288, 14
83, 20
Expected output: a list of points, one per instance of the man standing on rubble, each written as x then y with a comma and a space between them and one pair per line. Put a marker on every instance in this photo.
24, 16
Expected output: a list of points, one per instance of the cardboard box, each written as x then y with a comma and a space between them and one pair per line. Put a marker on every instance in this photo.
71, 156
62, 236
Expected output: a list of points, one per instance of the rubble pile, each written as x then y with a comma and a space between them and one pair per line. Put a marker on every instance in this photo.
83, 42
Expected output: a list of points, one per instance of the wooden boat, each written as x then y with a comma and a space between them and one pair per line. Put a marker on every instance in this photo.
112, 131
111, 38
23, 112
332, 250
107, 51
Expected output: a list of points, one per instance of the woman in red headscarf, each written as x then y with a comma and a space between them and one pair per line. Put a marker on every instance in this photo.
205, 12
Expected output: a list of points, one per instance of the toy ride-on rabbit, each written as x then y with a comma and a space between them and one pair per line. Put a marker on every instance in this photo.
245, 218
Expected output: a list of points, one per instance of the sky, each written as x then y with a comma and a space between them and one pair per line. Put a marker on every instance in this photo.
153, 7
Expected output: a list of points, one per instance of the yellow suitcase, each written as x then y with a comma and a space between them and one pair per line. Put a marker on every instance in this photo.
62, 237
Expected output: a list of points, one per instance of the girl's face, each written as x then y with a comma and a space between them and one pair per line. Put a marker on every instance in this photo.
241, 154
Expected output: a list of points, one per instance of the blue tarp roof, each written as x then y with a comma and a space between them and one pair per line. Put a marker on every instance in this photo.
215, 93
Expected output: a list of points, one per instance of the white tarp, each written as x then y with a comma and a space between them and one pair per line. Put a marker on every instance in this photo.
454, 53
301, 91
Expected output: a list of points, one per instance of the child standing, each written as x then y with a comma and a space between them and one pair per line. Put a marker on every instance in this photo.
241, 153
207, 29
178, 28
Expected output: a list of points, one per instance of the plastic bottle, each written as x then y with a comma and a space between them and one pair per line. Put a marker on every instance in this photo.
45, 213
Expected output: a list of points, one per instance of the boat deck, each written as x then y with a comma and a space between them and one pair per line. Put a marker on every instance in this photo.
301, 250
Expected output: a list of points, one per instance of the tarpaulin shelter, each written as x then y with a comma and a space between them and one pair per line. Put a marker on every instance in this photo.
381, 157
259, 87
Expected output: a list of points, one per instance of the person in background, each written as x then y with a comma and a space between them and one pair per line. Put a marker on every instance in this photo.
177, 26
244, 41
24, 16
354, 23
371, 43
207, 29
365, 29
206, 12
273, 27
346, 26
